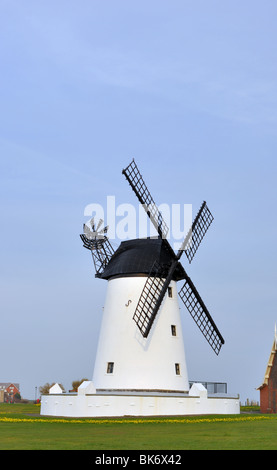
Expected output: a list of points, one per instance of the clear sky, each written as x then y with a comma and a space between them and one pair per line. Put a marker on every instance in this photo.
188, 88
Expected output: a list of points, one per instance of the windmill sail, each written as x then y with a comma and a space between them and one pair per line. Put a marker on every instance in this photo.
152, 295
200, 226
155, 287
139, 187
149, 301
201, 315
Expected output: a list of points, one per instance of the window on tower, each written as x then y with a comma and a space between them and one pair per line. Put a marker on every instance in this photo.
169, 291
110, 367
177, 368
173, 330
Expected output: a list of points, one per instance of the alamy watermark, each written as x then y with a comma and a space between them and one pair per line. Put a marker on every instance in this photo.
126, 221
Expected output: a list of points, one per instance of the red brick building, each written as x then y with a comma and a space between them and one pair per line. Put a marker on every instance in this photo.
8, 391
268, 389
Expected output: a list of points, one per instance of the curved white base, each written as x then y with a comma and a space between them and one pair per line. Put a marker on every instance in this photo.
196, 402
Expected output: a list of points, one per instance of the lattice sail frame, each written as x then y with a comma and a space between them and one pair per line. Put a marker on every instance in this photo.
147, 306
200, 226
199, 312
139, 187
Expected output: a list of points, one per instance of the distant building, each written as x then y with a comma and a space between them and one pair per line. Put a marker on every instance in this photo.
268, 389
8, 391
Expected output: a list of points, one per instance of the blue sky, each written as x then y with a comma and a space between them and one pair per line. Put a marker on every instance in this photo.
188, 88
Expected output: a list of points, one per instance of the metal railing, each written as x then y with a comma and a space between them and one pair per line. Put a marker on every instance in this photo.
212, 387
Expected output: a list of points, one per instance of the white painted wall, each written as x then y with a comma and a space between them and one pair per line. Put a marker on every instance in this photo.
196, 402
139, 363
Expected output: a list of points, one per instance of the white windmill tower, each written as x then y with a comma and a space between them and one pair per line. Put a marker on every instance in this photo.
141, 345
140, 367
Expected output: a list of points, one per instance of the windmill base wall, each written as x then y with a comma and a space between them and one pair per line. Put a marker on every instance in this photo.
86, 405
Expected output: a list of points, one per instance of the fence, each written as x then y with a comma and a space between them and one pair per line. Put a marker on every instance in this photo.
212, 387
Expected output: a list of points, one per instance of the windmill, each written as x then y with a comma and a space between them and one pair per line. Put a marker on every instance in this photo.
141, 344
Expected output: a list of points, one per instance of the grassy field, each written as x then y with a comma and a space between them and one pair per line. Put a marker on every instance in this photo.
21, 427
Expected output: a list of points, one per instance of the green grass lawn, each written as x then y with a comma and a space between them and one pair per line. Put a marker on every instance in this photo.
21, 427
